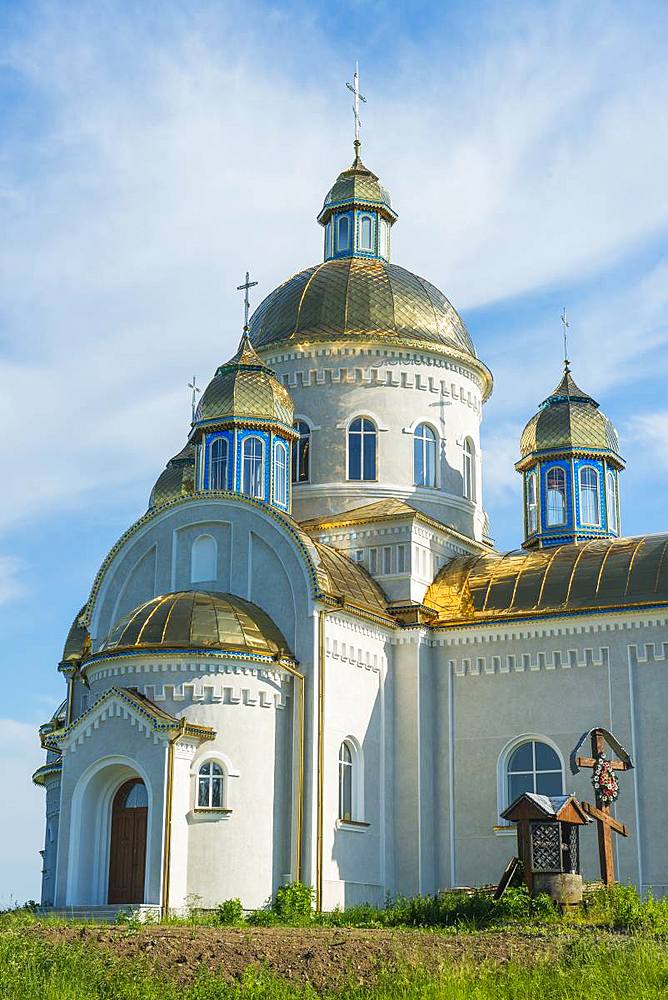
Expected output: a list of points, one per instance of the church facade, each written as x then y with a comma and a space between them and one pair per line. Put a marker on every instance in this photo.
306, 660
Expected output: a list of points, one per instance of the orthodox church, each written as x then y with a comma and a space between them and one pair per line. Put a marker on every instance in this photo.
307, 660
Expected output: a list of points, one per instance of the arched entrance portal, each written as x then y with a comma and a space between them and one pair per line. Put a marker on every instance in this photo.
127, 852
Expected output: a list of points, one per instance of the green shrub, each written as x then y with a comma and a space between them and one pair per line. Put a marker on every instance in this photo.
262, 918
230, 913
294, 903
621, 907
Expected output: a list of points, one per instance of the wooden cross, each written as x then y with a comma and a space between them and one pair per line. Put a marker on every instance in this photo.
601, 811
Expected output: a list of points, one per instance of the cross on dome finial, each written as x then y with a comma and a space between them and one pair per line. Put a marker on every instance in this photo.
565, 324
355, 88
195, 388
245, 287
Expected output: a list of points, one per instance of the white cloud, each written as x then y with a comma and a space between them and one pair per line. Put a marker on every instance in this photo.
22, 832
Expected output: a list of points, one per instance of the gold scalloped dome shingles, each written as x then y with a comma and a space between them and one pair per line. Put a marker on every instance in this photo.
607, 573
244, 388
357, 185
359, 299
177, 480
569, 419
197, 620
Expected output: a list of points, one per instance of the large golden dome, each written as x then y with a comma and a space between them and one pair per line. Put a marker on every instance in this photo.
197, 620
569, 420
364, 300
244, 388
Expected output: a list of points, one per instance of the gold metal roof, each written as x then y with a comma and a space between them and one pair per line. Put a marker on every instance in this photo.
350, 582
389, 509
569, 419
77, 644
197, 620
245, 388
356, 186
587, 576
177, 479
362, 301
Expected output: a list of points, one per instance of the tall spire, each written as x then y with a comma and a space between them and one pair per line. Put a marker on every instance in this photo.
355, 88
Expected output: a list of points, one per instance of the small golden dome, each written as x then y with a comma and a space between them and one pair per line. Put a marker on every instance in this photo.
569, 420
245, 388
77, 644
198, 620
177, 480
357, 186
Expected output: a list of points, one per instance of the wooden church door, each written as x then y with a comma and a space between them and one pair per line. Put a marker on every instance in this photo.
127, 857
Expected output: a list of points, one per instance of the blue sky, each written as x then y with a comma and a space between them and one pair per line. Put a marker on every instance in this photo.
152, 152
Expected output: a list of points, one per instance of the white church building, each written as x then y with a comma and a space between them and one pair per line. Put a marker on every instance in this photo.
307, 660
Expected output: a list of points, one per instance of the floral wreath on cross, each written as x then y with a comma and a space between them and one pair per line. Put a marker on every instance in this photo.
604, 781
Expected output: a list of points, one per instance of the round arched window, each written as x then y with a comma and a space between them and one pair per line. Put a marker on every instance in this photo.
534, 767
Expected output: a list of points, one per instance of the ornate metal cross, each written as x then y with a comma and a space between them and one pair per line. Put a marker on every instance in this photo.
245, 287
195, 388
605, 788
355, 88
565, 324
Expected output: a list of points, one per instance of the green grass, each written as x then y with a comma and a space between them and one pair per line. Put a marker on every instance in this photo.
33, 969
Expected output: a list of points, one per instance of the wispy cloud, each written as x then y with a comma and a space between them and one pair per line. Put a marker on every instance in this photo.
12, 582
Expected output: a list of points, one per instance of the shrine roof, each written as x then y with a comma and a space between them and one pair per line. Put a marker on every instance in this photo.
597, 575
530, 805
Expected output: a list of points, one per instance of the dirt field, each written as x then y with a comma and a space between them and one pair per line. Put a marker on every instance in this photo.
321, 956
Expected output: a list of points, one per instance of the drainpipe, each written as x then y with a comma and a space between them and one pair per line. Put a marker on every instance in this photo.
321, 747
299, 686
167, 849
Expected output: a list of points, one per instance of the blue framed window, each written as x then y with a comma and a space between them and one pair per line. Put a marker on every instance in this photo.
280, 473
362, 446
555, 484
384, 248
342, 233
531, 504
218, 463
612, 500
424, 456
252, 467
366, 234
590, 501
301, 453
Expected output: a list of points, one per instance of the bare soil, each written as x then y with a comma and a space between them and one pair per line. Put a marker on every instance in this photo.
325, 957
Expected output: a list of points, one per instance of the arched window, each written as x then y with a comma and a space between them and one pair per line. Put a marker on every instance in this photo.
351, 782
384, 239
613, 508
343, 233
366, 233
210, 786
280, 473
532, 506
301, 453
218, 461
590, 508
556, 496
424, 456
534, 767
252, 467
469, 469
136, 796
362, 449
328, 239
203, 559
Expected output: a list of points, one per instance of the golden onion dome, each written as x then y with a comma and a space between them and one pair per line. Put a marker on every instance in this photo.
177, 480
197, 620
361, 300
357, 186
77, 644
245, 389
569, 420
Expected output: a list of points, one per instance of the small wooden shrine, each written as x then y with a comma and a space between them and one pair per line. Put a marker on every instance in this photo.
548, 843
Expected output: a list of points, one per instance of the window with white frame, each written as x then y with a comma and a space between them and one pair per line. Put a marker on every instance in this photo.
590, 507
362, 444
533, 766
424, 456
328, 239
373, 560
343, 233
469, 469
401, 558
366, 233
301, 453
384, 239
387, 560
556, 496
351, 806
531, 504
218, 463
252, 467
280, 473
210, 786
613, 507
